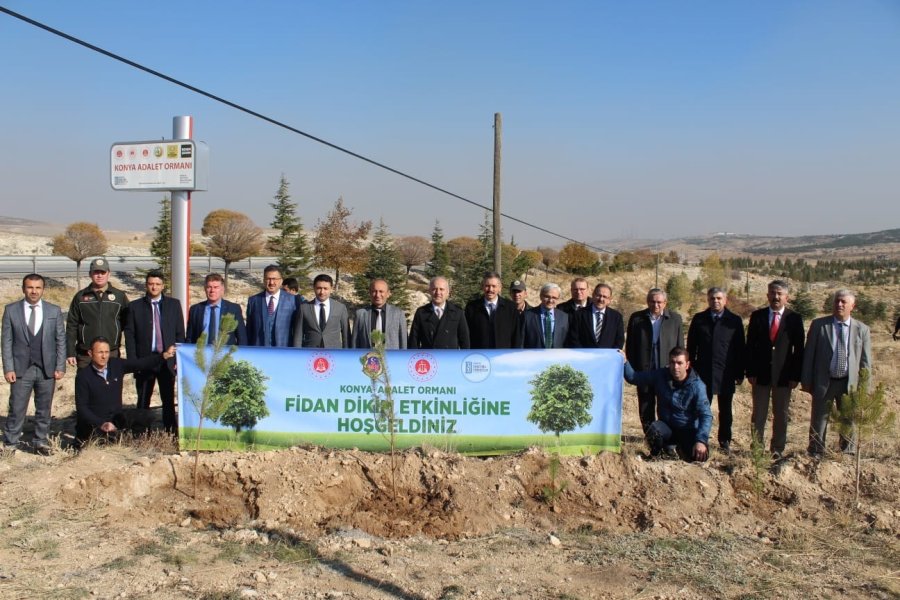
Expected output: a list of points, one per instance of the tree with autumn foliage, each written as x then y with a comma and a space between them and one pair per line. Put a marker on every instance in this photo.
338, 244
233, 236
80, 241
577, 259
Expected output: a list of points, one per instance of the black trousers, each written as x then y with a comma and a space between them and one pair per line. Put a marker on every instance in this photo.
725, 417
144, 382
646, 406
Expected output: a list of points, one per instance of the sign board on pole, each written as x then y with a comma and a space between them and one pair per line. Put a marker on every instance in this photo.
167, 165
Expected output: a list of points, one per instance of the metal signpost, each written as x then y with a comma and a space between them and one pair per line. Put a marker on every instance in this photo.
178, 166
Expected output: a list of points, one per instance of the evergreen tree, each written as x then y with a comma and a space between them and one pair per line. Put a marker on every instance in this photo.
440, 259
383, 263
161, 246
288, 244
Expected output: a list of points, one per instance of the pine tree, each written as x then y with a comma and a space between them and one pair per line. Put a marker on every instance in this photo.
288, 244
440, 259
383, 263
161, 246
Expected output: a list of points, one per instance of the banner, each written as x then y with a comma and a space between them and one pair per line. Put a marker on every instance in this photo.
469, 401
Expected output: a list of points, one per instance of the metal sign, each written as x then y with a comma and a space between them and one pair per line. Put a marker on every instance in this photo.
168, 165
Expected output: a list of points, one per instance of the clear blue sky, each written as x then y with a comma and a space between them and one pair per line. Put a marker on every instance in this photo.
620, 119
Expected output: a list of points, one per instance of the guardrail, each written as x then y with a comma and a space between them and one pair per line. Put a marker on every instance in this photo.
60, 266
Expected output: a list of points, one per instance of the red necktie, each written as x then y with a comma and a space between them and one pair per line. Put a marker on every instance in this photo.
773, 329
271, 305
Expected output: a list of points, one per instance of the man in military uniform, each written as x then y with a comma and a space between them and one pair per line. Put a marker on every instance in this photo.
98, 310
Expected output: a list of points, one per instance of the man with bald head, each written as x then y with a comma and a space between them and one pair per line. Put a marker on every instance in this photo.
440, 324
837, 348
379, 316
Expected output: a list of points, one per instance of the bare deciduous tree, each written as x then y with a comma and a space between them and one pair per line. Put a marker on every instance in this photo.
413, 250
78, 242
233, 236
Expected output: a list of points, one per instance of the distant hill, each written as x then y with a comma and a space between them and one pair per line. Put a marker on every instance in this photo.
884, 243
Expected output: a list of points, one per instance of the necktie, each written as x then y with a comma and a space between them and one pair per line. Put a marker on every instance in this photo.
840, 365
271, 305
213, 326
321, 317
157, 329
377, 326
490, 308
599, 328
32, 319
548, 331
773, 329
438, 312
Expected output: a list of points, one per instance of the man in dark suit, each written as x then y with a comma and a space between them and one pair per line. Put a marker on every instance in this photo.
837, 348
381, 316
98, 389
493, 321
600, 327
270, 313
715, 345
206, 316
773, 364
34, 358
546, 326
154, 323
440, 324
579, 299
652, 333
324, 322
518, 294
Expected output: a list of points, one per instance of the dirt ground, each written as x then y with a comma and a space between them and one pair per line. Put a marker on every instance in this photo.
122, 520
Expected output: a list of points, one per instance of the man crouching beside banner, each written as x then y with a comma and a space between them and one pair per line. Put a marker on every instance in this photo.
98, 390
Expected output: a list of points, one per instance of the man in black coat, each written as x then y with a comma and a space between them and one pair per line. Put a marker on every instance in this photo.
493, 321
209, 313
579, 297
652, 333
154, 323
599, 327
715, 345
440, 324
98, 389
774, 363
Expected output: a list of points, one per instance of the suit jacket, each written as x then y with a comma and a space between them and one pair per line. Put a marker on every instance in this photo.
568, 306
639, 342
195, 322
307, 333
450, 332
786, 356
581, 330
258, 313
139, 327
505, 325
819, 350
716, 350
16, 340
394, 328
534, 328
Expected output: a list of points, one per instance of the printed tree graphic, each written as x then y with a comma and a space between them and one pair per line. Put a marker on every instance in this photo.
561, 399
242, 389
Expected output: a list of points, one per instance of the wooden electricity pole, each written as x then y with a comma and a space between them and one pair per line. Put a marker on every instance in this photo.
498, 134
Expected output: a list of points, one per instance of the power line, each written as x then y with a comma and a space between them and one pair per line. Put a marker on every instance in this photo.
278, 123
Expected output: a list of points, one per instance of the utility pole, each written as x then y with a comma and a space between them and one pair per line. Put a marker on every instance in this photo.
498, 134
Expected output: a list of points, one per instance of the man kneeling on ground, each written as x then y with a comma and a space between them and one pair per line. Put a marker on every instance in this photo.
98, 389
684, 418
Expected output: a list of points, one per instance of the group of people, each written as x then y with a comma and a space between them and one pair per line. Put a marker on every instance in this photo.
676, 381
